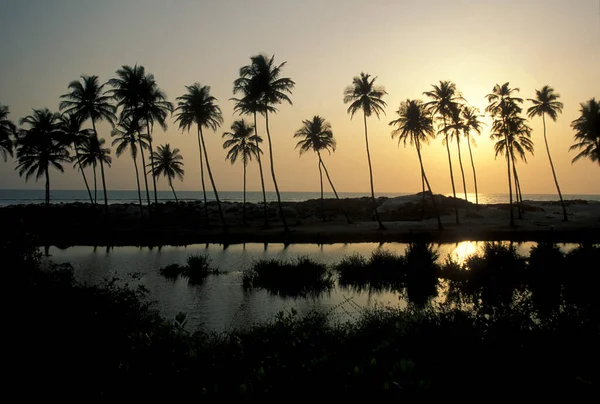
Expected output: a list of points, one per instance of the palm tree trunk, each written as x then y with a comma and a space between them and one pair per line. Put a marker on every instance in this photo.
202, 177
473, 166
462, 171
435, 208
562, 202
95, 185
381, 226
244, 206
321, 182
212, 181
451, 174
517, 188
333, 188
87, 186
101, 170
173, 189
137, 180
510, 200
144, 168
285, 225
47, 187
152, 160
422, 197
262, 178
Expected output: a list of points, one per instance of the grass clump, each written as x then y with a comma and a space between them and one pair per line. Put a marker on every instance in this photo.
299, 277
171, 271
197, 268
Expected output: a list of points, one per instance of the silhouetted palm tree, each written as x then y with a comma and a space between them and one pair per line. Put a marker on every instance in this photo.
169, 163
415, 126
200, 108
70, 126
129, 88
453, 130
471, 122
445, 98
88, 100
587, 132
316, 135
249, 104
91, 152
546, 103
8, 131
263, 79
502, 104
364, 95
242, 143
40, 147
128, 135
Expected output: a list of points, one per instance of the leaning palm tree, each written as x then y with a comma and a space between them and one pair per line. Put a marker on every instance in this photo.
444, 102
262, 77
415, 126
587, 132
503, 104
88, 100
243, 144
91, 152
169, 163
8, 131
364, 95
249, 104
546, 103
41, 146
128, 135
198, 107
70, 126
471, 122
316, 135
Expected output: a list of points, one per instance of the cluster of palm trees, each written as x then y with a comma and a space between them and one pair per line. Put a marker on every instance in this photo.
132, 103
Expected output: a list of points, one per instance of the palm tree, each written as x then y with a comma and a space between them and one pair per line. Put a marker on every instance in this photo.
587, 132
249, 104
364, 95
70, 126
502, 104
40, 147
128, 89
444, 102
242, 143
262, 77
471, 122
454, 129
415, 126
169, 163
91, 152
200, 108
316, 135
128, 135
88, 100
546, 103
8, 131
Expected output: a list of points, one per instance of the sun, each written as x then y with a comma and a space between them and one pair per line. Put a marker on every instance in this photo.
464, 250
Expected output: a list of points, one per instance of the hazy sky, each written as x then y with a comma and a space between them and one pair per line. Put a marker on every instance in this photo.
409, 45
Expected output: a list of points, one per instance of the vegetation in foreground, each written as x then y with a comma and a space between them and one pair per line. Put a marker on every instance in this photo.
109, 343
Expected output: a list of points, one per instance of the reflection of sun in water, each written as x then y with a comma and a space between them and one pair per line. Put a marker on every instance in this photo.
464, 250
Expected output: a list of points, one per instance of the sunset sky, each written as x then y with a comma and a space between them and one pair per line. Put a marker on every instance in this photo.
408, 45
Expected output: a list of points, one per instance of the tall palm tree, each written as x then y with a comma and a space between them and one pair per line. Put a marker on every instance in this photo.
316, 135
471, 123
415, 126
242, 143
198, 107
444, 102
249, 104
128, 135
587, 131
169, 163
262, 77
88, 100
364, 95
546, 103
71, 128
91, 152
40, 147
128, 89
8, 131
502, 104
455, 127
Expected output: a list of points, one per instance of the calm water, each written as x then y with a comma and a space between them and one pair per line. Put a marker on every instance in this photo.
13, 197
221, 302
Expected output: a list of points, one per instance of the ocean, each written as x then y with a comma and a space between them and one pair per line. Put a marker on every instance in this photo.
23, 196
